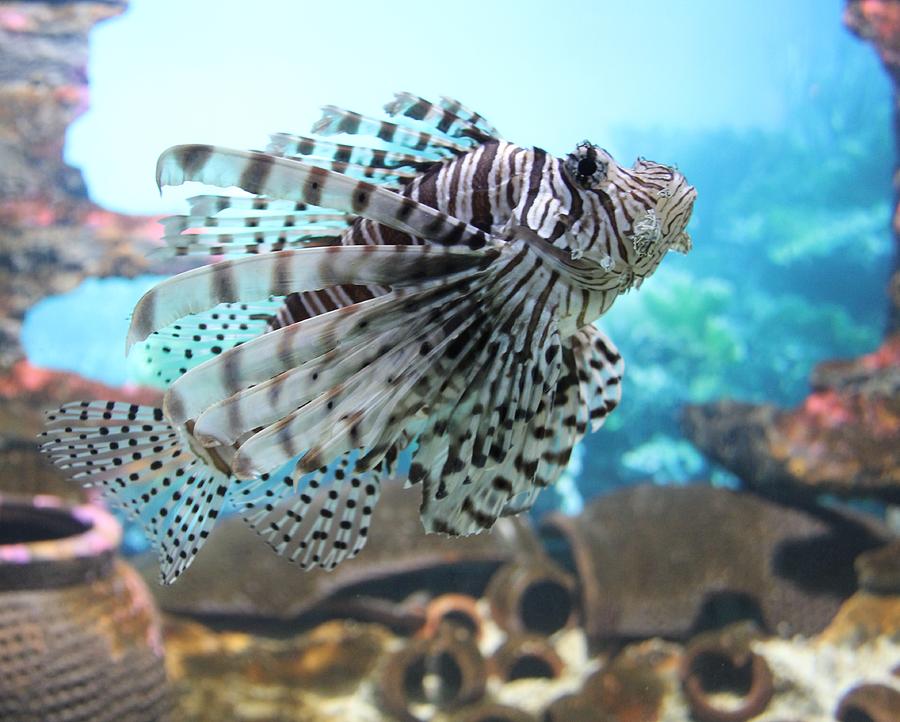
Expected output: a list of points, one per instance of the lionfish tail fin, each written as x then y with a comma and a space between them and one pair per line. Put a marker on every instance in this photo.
141, 466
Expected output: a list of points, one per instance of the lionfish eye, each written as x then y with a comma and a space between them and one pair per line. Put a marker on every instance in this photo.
585, 166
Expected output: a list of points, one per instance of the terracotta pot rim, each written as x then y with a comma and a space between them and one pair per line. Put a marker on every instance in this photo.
101, 535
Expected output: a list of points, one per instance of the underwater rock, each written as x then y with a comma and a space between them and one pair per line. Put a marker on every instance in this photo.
80, 638
398, 561
636, 686
331, 659
843, 439
878, 21
674, 561
876, 373
49, 249
43, 88
314, 677
878, 570
864, 619
51, 235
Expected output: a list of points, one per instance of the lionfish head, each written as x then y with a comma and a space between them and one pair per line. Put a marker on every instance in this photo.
660, 227
674, 206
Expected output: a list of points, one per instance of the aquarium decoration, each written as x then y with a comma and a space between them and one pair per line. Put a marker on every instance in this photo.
724, 550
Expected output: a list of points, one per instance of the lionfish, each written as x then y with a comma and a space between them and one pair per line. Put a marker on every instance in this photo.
431, 292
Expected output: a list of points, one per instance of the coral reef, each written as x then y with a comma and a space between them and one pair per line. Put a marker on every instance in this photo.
51, 235
80, 639
878, 21
841, 440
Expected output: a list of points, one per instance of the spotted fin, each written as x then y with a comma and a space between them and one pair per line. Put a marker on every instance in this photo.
138, 461
599, 369
320, 521
172, 351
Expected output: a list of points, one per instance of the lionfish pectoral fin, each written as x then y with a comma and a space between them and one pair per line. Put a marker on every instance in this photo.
279, 274
366, 392
141, 466
484, 468
324, 349
174, 350
600, 370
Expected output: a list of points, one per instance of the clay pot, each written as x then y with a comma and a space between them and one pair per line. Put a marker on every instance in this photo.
79, 635
446, 672
534, 598
722, 663
869, 703
458, 609
526, 656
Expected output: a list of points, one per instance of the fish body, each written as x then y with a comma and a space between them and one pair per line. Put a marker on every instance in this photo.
436, 298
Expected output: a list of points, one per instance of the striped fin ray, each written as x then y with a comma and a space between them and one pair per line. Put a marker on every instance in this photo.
506, 394
135, 457
174, 350
287, 145
277, 274
225, 222
466, 498
440, 117
264, 174
285, 392
218, 242
361, 411
506, 482
282, 349
388, 177
476, 119
211, 204
586, 393
433, 146
600, 371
